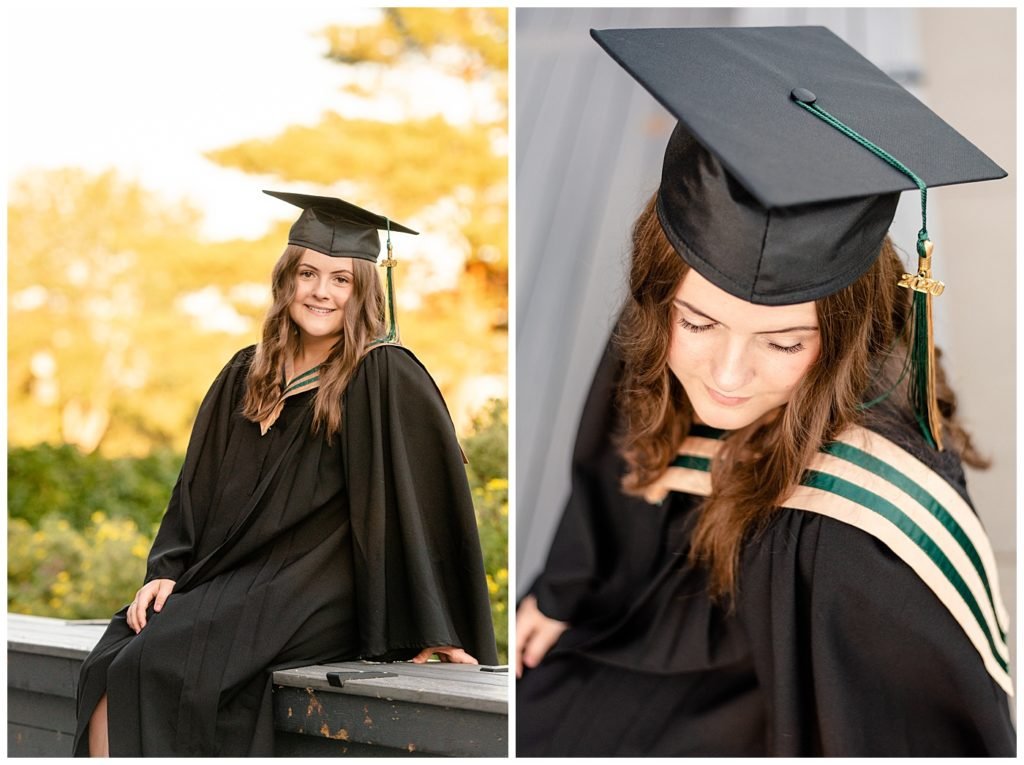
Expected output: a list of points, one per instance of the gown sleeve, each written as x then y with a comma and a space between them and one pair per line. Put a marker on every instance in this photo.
419, 570
175, 541
856, 655
606, 546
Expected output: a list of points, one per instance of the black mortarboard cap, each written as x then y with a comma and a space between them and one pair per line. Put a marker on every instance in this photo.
336, 227
762, 198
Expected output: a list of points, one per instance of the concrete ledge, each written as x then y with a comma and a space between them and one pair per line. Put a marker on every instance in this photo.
374, 709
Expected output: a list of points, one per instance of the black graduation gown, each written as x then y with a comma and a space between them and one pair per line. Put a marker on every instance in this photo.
835, 647
287, 551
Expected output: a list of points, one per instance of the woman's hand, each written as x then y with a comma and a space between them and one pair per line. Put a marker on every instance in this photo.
154, 592
535, 634
447, 653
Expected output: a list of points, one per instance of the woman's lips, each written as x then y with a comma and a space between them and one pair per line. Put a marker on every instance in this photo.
724, 400
320, 311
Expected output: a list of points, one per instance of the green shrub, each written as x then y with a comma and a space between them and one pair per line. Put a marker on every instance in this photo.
58, 570
487, 452
59, 480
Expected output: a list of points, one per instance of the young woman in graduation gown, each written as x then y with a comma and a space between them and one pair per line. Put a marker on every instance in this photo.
299, 531
763, 553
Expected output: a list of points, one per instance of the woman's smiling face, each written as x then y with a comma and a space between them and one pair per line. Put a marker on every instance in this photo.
322, 287
737, 360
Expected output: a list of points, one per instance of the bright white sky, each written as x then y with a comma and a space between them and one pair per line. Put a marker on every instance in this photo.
147, 87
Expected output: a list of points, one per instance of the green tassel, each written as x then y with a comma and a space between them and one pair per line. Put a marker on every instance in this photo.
922, 390
390, 317
392, 336
919, 388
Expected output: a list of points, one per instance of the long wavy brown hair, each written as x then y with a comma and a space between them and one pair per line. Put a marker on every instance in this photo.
862, 356
363, 323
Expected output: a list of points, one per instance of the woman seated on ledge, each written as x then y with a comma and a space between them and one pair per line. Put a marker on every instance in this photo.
322, 514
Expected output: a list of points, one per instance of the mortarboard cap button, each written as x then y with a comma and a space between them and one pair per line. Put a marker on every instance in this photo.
803, 95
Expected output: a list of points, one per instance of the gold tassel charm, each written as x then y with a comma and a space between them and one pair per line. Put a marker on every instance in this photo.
922, 281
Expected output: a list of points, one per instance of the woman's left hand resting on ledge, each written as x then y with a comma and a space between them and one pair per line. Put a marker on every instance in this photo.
154, 592
447, 653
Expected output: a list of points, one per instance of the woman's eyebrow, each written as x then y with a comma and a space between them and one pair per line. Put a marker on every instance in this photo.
788, 329
696, 310
311, 267
801, 328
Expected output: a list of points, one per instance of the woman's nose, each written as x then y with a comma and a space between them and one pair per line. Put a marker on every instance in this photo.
731, 368
320, 288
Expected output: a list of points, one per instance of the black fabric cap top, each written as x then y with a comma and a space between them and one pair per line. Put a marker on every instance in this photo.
762, 198
335, 227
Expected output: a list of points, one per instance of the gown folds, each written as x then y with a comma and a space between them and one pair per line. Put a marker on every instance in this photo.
835, 644
287, 550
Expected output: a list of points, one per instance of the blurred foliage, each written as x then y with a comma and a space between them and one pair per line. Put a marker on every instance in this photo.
487, 446
479, 34
487, 452
57, 570
391, 159
64, 482
81, 525
101, 351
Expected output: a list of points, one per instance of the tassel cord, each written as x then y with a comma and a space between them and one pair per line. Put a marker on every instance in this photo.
921, 358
